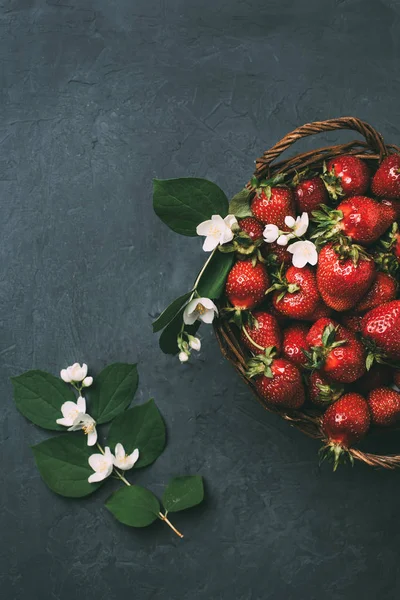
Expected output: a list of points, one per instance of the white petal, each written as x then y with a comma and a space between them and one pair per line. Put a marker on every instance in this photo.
84, 369
295, 247
230, 220
87, 381
204, 227
81, 404
134, 457
211, 242
301, 224
207, 317
69, 408
282, 240
65, 376
218, 221
96, 461
289, 221
299, 259
64, 421
195, 344
271, 233
313, 257
92, 437
119, 451
226, 236
95, 477
189, 317
207, 303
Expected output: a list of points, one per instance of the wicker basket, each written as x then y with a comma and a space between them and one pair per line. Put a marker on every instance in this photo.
372, 150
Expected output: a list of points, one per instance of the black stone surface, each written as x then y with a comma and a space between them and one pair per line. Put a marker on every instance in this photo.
97, 98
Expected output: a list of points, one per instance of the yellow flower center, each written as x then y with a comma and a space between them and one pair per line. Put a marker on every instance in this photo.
200, 309
88, 428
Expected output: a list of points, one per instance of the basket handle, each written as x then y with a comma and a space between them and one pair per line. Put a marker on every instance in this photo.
373, 139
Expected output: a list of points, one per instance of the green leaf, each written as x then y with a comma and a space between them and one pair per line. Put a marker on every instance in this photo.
63, 464
183, 492
168, 338
212, 281
39, 396
113, 391
240, 204
184, 203
169, 313
134, 506
139, 427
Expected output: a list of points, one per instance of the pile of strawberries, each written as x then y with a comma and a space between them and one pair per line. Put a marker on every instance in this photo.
325, 336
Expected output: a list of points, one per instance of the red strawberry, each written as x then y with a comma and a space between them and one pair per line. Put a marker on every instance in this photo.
265, 333
252, 227
384, 289
344, 423
273, 204
346, 176
384, 406
351, 321
394, 204
320, 312
386, 181
277, 380
377, 376
362, 219
335, 351
344, 274
309, 194
322, 391
296, 294
294, 342
276, 255
381, 326
246, 284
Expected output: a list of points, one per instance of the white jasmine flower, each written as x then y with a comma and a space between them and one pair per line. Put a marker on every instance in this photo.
298, 226
87, 381
271, 233
217, 231
88, 425
75, 372
195, 343
183, 357
303, 252
124, 461
71, 410
102, 465
283, 239
202, 309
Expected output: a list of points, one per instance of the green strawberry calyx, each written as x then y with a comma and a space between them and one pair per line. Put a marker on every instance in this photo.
329, 393
332, 183
281, 284
335, 453
261, 364
316, 356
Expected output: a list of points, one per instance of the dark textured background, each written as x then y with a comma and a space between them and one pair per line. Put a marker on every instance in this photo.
97, 98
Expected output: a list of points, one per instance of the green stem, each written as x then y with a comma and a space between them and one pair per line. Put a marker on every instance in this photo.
196, 283
168, 522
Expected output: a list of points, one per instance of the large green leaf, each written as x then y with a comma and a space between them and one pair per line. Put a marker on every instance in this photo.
134, 505
240, 204
184, 203
169, 313
212, 281
167, 341
39, 396
63, 464
113, 391
139, 427
183, 492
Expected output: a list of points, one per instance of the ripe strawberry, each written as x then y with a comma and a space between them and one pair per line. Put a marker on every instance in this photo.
360, 218
322, 391
335, 351
381, 326
265, 333
384, 289
344, 423
252, 227
295, 293
344, 274
277, 380
309, 194
273, 204
276, 255
386, 181
294, 342
384, 406
377, 376
346, 176
320, 312
394, 204
246, 284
